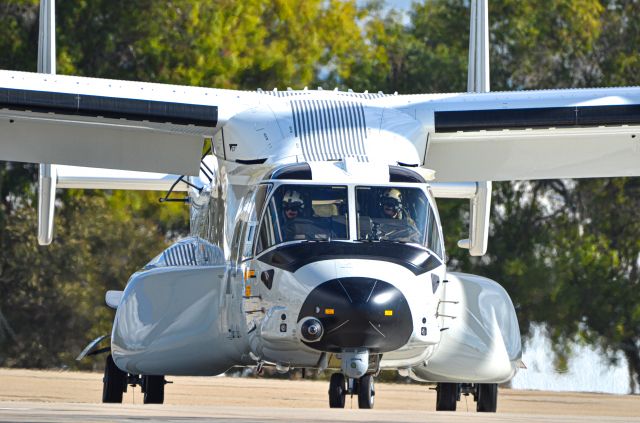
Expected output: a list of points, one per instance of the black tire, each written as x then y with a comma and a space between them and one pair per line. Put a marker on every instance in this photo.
447, 396
113, 382
366, 392
337, 391
153, 389
487, 395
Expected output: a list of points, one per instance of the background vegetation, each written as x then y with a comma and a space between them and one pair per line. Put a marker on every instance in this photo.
566, 250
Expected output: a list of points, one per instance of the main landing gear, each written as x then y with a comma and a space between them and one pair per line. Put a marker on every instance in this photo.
115, 383
484, 394
340, 387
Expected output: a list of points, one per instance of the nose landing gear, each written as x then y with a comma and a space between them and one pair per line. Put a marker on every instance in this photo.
340, 387
337, 391
366, 392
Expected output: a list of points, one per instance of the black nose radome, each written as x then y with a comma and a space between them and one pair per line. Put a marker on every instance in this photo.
358, 313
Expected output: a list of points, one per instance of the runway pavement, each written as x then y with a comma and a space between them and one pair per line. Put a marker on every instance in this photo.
49, 396
67, 412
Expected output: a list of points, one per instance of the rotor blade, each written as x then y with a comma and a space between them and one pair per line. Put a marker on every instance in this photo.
478, 81
46, 171
478, 69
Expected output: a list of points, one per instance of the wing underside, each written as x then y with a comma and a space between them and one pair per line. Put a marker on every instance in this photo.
105, 123
532, 135
536, 154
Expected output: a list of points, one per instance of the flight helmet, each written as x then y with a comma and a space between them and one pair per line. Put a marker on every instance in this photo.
392, 198
292, 200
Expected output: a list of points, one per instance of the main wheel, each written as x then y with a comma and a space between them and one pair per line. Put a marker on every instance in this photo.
153, 389
447, 396
487, 395
113, 382
337, 391
366, 392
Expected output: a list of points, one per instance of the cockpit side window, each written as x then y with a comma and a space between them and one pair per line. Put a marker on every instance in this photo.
270, 231
247, 222
304, 212
252, 214
237, 240
433, 235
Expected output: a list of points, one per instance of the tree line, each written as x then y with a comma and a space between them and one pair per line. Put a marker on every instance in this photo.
567, 251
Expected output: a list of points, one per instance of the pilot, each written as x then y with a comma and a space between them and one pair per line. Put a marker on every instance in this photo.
391, 203
292, 208
292, 204
405, 229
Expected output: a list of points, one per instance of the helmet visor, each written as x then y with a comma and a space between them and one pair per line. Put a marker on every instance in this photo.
294, 206
391, 203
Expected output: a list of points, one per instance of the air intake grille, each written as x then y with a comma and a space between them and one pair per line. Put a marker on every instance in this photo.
330, 129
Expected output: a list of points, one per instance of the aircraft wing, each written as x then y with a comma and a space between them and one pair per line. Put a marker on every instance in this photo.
521, 135
469, 137
109, 124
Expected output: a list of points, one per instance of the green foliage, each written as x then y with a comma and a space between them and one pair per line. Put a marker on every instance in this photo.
540, 44
227, 44
597, 270
19, 34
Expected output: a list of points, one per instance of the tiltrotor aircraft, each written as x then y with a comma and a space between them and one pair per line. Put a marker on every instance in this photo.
315, 236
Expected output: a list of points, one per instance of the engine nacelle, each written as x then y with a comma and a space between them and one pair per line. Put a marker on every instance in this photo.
170, 322
481, 338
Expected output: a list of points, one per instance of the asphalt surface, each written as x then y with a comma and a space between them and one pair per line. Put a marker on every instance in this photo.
48, 396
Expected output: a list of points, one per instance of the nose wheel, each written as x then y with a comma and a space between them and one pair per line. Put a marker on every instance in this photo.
366, 392
337, 391
340, 387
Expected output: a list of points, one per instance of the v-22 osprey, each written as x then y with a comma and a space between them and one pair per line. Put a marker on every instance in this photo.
315, 236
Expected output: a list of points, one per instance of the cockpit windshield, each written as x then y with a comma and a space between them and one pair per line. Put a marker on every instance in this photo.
394, 214
305, 212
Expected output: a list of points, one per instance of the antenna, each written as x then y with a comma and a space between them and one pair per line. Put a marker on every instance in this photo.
47, 172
